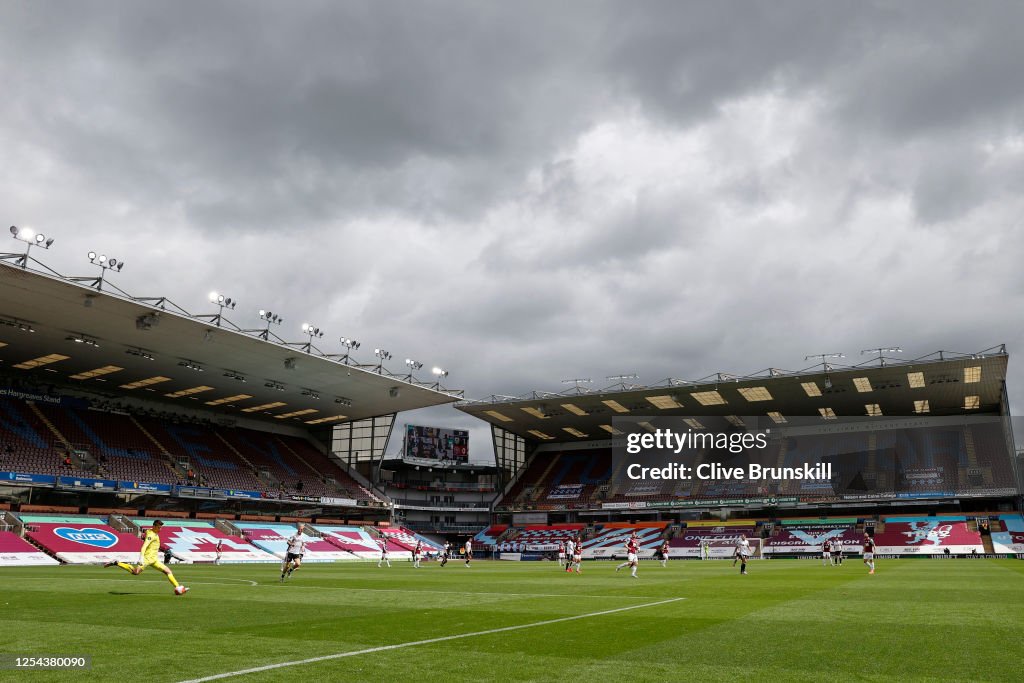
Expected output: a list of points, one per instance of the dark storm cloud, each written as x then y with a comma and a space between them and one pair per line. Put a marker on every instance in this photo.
526, 193
334, 110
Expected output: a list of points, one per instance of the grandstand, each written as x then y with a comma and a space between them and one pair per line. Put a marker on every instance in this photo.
136, 402
916, 433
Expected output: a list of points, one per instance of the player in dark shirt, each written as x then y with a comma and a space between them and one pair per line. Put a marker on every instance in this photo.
869, 553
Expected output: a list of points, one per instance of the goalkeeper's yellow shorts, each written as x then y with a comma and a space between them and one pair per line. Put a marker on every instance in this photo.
156, 564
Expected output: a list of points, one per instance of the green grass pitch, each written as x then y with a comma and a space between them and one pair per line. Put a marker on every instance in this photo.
914, 620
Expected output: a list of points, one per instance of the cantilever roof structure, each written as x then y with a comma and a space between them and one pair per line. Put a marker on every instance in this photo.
941, 383
64, 332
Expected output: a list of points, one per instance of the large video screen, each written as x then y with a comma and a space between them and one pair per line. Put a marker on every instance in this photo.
436, 443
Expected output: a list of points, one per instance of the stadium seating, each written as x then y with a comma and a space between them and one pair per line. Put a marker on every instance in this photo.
27, 445
808, 539
927, 536
17, 552
273, 538
406, 539
1010, 539
541, 537
352, 539
722, 539
489, 536
121, 449
215, 463
561, 480
347, 486
265, 452
610, 539
993, 456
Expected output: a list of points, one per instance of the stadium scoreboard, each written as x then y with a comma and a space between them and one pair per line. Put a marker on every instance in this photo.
436, 443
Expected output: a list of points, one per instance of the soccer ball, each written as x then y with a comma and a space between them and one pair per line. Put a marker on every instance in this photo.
179, 590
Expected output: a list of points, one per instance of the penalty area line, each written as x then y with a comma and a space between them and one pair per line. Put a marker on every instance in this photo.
428, 641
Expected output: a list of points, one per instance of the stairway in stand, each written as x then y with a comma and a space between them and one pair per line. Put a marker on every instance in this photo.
171, 464
49, 425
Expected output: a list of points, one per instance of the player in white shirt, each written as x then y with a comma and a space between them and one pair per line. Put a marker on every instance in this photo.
742, 553
570, 548
384, 553
469, 550
296, 549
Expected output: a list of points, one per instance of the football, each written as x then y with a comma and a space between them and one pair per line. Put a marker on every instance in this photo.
180, 590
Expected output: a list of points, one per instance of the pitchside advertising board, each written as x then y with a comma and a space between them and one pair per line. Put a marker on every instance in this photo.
17, 552
84, 543
731, 457
436, 443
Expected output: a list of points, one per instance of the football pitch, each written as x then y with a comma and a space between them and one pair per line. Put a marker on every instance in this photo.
914, 620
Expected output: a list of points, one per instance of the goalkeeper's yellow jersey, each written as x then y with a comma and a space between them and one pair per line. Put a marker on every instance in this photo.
150, 547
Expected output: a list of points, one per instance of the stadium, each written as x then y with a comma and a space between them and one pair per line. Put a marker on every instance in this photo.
119, 411
369, 341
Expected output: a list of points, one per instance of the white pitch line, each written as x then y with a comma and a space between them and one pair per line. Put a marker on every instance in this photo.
429, 641
228, 578
189, 583
293, 586
430, 592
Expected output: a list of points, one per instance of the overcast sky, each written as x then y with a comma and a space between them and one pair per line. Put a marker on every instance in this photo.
529, 192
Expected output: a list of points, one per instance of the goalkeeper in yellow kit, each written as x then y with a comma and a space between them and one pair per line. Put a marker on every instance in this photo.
149, 557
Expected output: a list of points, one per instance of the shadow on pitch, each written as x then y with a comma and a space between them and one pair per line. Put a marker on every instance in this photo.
127, 593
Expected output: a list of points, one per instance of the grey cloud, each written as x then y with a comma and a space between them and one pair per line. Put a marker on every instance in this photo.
426, 178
